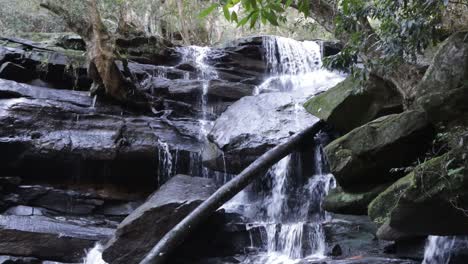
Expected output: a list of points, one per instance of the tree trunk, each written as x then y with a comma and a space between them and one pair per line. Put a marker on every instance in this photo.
100, 48
159, 254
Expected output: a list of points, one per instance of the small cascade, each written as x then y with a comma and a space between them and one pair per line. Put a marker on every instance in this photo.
167, 166
295, 66
445, 250
94, 256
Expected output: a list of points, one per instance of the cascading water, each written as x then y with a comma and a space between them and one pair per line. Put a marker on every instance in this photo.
94, 256
444, 250
293, 228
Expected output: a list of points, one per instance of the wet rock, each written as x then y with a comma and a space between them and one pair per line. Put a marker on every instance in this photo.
64, 201
351, 104
366, 154
22, 210
250, 127
355, 235
354, 202
443, 91
71, 137
19, 260
73, 42
47, 238
15, 72
402, 210
165, 208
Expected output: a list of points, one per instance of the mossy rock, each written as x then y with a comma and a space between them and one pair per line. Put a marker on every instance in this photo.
354, 203
366, 155
351, 103
431, 200
443, 91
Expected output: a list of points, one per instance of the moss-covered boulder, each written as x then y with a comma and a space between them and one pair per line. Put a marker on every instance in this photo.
351, 103
353, 202
443, 92
366, 155
431, 200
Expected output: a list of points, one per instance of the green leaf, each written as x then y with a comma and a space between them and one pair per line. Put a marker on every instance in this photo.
271, 17
208, 11
227, 15
234, 17
245, 20
254, 19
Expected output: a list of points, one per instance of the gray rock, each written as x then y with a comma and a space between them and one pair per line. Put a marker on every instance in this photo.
351, 104
443, 91
47, 238
251, 126
47, 132
141, 230
365, 155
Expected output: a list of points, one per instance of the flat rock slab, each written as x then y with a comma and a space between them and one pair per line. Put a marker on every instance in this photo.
165, 208
48, 238
251, 126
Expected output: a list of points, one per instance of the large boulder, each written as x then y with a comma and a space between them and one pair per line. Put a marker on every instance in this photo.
223, 234
366, 155
352, 103
251, 126
48, 238
142, 229
435, 190
443, 92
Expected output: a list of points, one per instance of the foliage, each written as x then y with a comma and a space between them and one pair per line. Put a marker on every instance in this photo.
394, 31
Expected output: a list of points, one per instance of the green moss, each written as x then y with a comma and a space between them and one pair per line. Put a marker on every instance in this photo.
322, 105
382, 206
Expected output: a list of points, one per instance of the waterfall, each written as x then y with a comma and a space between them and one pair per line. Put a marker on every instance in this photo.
444, 249
94, 256
291, 213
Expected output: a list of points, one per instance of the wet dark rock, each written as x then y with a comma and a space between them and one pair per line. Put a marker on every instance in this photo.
354, 234
137, 234
368, 153
15, 72
48, 238
262, 122
330, 48
59, 132
72, 42
54, 68
351, 104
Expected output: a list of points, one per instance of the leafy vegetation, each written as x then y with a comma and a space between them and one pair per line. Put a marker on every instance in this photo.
378, 32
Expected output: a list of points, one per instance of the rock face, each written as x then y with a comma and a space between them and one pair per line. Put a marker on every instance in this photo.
141, 230
51, 131
262, 122
47, 238
438, 185
351, 104
443, 92
366, 154
222, 235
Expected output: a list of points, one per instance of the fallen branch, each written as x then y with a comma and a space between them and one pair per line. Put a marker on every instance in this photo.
181, 231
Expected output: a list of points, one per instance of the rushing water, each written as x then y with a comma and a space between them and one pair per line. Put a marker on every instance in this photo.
291, 213
445, 250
